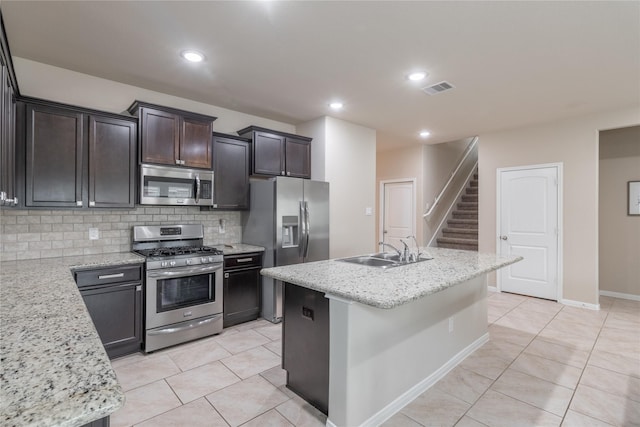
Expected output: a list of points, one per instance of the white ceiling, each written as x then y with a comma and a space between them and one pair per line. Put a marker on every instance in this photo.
512, 63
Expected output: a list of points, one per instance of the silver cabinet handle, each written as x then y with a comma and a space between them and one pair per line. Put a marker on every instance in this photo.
177, 161
139, 288
79, 203
244, 260
92, 203
111, 276
504, 237
282, 173
288, 173
226, 275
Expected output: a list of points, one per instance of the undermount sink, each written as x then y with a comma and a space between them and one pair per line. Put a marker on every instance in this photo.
381, 260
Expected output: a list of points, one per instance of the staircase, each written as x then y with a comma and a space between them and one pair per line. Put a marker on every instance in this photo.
462, 229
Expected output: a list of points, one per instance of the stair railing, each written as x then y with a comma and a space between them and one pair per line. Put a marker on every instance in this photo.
445, 217
466, 153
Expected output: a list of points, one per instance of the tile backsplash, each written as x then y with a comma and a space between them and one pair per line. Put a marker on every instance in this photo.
33, 234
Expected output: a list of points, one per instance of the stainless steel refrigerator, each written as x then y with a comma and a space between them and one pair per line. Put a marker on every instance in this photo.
289, 217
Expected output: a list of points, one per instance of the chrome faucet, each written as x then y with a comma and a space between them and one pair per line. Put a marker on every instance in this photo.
417, 247
383, 244
405, 257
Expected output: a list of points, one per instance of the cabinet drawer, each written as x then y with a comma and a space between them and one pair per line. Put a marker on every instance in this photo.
243, 261
128, 273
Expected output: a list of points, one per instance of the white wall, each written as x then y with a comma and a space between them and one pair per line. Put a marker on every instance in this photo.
350, 168
619, 233
574, 142
58, 84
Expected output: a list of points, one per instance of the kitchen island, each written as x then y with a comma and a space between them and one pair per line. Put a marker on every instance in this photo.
392, 333
54, 368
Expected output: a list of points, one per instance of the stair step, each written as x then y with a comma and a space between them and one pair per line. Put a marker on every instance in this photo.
460, 233
472, 190
463, 223
475, 176
451, 243
465, 214
470, 198
473, 183
468, 206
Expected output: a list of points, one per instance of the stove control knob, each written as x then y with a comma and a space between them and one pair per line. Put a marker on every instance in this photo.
164, 263
189, 261
211, 259
172, 263
203, 259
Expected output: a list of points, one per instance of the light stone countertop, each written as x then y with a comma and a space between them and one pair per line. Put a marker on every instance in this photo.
388, 288
238, 248
54, 369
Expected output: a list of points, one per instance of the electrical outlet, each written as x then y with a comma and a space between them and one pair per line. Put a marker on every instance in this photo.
221, 226
94, 234
368, 211
450, 324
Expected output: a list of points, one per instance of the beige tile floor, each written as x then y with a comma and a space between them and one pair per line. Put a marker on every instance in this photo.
545, 364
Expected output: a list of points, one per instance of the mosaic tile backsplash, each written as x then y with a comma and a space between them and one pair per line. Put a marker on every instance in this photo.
33, 234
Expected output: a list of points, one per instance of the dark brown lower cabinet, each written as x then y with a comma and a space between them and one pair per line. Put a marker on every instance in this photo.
114, 299
242, 288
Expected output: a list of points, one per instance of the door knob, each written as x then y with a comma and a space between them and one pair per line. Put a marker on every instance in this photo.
504, 237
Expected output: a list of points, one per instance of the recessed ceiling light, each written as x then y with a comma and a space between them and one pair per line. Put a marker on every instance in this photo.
192, 56
336, 105
417, 76
424, 133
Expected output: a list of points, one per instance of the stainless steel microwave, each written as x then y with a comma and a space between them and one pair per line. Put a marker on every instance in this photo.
165, 185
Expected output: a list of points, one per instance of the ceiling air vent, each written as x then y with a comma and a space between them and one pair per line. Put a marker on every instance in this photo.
438, 88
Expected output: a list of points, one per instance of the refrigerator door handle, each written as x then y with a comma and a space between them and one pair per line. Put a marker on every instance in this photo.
307, 229
302, 234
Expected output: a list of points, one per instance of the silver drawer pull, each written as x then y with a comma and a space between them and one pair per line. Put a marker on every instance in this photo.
111, 276
244, 260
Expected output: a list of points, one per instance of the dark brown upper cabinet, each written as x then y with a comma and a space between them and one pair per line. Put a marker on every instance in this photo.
278, 153
173, 137
231, 169
8, 93
77, 158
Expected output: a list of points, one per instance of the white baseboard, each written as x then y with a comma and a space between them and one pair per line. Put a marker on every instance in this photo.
620, 295
492, 288
580, 304
410, 395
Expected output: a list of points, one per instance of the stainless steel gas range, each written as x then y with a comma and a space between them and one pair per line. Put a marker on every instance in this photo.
183, 284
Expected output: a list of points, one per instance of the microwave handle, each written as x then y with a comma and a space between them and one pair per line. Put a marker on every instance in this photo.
197, 188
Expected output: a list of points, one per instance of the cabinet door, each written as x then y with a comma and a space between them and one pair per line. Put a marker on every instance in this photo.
7, 139
298, 158
54, 148
112, 162
231, 172
116, 312
241, 297
160, 134
195, 144
268, 154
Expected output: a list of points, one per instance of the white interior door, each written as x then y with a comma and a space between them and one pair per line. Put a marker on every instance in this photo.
528, 226
398, 218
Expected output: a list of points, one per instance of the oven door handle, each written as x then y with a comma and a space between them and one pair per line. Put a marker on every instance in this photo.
190, 271
191, 325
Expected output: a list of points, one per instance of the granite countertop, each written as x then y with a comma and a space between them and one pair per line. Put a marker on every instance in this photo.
53, 370
238, 248
388, 288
